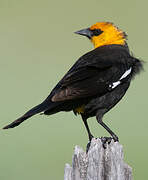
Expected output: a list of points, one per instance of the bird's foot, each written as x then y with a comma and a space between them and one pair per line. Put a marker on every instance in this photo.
106, 140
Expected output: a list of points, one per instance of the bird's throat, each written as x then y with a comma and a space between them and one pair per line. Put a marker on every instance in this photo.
103, 43
97, 42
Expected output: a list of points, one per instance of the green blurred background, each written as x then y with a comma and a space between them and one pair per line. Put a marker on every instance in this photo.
37, 47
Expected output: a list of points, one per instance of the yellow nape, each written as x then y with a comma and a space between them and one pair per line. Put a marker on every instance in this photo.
80, 109
110, 35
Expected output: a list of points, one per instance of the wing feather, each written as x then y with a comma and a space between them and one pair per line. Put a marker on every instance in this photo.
91, 75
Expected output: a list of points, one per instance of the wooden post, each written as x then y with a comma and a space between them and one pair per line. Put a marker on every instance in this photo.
98, 163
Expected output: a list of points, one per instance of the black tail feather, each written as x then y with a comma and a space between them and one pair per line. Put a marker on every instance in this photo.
37, 109
17, 122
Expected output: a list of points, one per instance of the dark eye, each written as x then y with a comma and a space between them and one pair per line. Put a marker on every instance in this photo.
96, 32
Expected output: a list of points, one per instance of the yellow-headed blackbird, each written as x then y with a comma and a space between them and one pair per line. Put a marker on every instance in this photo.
96, 82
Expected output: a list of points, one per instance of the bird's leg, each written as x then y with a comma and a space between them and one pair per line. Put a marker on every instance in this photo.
99, 119
90, 136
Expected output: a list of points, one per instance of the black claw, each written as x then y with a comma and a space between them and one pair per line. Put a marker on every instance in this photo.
106, 140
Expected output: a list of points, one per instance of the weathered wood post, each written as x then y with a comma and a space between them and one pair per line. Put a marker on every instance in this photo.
98, 163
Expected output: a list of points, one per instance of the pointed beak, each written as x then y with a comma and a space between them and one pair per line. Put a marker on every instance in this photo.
85, 32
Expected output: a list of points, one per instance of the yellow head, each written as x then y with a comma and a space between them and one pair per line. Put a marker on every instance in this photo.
104, 33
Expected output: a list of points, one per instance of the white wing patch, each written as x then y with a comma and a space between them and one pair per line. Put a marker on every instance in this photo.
126, 73
115, 84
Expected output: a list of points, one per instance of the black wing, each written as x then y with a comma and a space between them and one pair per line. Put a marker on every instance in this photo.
91, 75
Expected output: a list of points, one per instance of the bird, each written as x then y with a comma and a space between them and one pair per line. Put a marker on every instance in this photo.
96, 82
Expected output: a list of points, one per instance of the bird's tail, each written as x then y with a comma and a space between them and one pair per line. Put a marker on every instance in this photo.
37, 109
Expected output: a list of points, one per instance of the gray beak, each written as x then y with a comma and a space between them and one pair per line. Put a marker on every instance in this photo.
85, 32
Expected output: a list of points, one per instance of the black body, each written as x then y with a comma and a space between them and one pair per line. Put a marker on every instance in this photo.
89, 83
